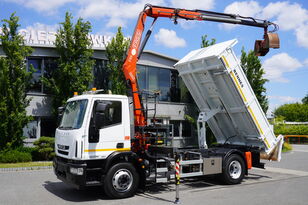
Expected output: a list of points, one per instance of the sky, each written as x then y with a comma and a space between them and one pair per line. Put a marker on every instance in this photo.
286, 68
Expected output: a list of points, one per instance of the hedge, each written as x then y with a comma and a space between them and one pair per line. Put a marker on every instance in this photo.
13, 156
291, 129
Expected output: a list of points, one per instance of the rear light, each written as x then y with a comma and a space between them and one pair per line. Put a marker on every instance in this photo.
248, 160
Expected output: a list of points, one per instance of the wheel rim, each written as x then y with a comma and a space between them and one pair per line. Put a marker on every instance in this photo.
122, 180
235, 169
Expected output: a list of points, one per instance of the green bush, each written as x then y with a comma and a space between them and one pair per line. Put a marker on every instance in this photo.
13, 156
286, 147
26, 149
45, 148
31, 150
291, 129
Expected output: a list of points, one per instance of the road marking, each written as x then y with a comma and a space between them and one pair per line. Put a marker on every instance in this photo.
287, 171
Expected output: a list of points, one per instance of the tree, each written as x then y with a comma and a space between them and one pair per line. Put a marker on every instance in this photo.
206, 43
294, 112
14, 80
116, 51
305, 99
74, 72
254, 72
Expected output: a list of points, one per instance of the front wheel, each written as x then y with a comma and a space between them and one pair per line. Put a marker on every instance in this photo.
234, 169
121, 181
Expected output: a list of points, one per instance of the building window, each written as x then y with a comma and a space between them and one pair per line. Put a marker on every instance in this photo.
159, 80
50, 66
142, 77
162, 80
36, 84
48, 126
176, 127
43, 67
31, 130
175, 93
181, 128
186, 129
101, 74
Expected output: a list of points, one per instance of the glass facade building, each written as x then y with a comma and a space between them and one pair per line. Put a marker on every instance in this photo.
155, 73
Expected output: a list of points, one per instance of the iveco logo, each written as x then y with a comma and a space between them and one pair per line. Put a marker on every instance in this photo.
65, 133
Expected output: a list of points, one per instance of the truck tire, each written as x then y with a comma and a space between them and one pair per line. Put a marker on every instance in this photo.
121, 181
233, 169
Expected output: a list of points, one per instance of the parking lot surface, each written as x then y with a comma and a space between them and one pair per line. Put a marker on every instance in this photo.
280, 183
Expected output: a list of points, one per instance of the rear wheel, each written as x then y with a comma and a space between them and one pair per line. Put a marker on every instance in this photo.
234, 167
121, 181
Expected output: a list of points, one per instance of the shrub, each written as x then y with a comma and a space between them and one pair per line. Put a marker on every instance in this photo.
13, 156
26, 149
286, 147
31, 150
45, 147
291, 129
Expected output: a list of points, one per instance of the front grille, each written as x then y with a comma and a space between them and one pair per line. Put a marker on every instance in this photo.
63, 147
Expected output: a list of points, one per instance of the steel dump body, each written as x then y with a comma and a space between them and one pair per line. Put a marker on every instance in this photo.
227, 103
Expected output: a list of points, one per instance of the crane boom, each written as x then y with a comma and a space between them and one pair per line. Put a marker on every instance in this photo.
271, 40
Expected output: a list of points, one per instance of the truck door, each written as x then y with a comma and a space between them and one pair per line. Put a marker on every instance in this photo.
106, 129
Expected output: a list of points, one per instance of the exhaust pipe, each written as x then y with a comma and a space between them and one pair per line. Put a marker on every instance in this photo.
271, 40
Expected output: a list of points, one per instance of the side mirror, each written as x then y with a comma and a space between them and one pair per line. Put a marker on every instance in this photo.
99, 117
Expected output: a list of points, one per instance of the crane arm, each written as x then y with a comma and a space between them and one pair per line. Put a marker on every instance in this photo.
271, 40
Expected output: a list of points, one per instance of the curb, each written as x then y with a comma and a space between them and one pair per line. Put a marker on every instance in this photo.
24, 168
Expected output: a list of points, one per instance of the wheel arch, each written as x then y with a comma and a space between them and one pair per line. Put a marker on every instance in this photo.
237, 152
116, 157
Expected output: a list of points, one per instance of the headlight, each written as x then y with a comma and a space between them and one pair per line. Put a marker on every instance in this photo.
76, 171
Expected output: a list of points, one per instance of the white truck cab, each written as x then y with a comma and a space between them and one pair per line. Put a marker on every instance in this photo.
79, 136
93, 127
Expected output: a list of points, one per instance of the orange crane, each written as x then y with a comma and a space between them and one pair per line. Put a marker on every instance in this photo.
271, 40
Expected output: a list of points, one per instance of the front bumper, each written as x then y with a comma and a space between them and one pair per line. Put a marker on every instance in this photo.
62, 171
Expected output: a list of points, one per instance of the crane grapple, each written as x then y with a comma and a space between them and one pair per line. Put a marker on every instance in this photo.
271, 40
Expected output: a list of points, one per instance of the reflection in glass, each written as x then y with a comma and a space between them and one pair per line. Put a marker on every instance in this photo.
36, 65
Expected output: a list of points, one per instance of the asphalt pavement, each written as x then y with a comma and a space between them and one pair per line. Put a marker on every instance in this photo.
283, 183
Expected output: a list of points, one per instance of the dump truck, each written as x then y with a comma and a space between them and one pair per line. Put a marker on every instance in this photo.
105, 140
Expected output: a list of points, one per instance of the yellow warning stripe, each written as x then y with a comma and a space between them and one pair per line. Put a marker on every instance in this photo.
238, 86
259, 127
225, 61
112, 149
255, 120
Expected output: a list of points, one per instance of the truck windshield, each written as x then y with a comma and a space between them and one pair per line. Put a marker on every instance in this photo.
73, 114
